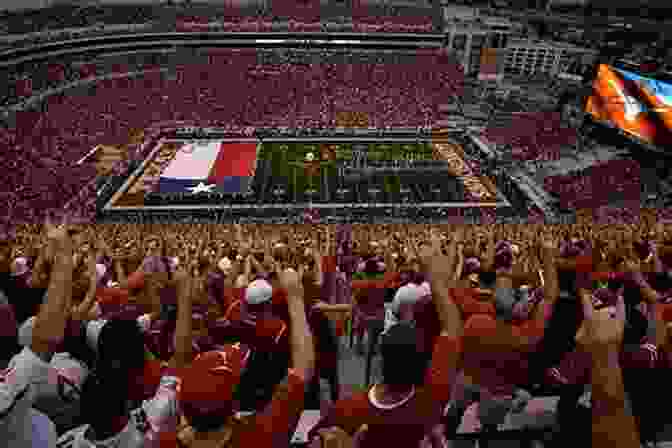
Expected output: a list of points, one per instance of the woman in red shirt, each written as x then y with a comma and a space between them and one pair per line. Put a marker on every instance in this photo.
402, 409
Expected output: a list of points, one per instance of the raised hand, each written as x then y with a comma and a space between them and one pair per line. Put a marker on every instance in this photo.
183, 281
601, 330
291, 280
58, 234
91, 266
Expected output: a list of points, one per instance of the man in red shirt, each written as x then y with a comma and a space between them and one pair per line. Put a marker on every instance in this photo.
399, 412
206, 390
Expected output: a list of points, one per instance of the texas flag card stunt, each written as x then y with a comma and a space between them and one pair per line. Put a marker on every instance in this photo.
210, 167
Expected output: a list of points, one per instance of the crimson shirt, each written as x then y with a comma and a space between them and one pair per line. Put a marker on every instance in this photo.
407, 423
274, 425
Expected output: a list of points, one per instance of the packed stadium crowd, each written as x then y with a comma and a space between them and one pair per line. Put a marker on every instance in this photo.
67, 126
214, 335
63, 22
598, 185
284, 88
532, 136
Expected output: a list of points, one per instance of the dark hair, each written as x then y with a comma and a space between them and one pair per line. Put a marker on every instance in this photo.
636, 326
567, 281
660, 281
403, 364
631, 295
121, 345
406, 276
206, 422
104, 397
558, 338
9, 346
641, 248
121, 350
371, 266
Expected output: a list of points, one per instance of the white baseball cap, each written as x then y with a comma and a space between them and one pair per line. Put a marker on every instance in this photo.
259, 291
225, 265
409, 293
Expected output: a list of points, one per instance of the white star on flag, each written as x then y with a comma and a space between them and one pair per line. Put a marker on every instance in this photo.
201, 188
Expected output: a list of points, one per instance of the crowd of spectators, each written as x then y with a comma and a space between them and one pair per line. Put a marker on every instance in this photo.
532, 136
232, 88
214, 335
597, 186
63, 22
299, 20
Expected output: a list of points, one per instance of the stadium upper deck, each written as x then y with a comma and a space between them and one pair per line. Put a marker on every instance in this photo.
62, 21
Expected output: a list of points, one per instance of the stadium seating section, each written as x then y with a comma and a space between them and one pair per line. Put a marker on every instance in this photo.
223, 88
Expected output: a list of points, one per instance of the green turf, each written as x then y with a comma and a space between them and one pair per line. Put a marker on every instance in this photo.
287, 160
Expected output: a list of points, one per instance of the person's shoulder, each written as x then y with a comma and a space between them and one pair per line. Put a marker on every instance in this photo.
75, 438
21, 366
271, 329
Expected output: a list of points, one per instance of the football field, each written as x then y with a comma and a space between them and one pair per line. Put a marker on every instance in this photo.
286, 175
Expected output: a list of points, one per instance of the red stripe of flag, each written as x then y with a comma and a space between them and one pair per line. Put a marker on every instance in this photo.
233, 160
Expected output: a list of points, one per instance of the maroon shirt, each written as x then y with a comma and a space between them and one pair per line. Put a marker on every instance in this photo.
407, 423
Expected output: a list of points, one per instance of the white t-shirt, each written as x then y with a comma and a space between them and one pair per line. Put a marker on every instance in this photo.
407, 294
58, 398
17, 393
159, 414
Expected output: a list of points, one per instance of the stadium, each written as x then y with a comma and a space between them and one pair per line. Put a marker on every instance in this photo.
117, 101
280, 112
158, 129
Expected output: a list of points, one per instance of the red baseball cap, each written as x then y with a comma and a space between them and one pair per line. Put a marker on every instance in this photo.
208, 384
